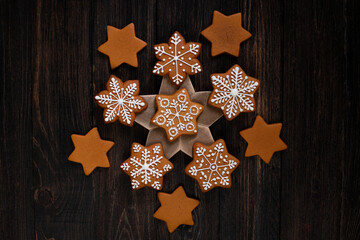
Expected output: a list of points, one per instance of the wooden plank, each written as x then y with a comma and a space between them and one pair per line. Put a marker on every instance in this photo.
257, 187
313, 110
350, 218
120, 212
62, 105
16, 169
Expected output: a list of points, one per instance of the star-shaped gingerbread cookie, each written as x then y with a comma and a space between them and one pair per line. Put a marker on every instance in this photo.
122, 46
177, 114
121, 101
212, 165
147, 166
177, 59
263, 139
226, 33
233, 92
176, 209
90, 151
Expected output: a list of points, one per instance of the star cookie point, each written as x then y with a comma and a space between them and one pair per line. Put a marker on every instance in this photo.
212, 165
121, 101
90, 151
176, 209
146, 166
263, 139
177, 59
233, 92
177, 114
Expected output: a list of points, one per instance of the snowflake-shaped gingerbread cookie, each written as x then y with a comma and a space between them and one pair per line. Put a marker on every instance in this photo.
212, 165
233, 92
177, 58
147, 166
121, 101
177, 114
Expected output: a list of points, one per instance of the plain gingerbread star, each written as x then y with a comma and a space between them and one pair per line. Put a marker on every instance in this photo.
176, 209
90, 150
226, 33
122, 46
263, 139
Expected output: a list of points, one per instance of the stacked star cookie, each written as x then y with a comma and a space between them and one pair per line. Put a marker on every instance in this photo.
178, 118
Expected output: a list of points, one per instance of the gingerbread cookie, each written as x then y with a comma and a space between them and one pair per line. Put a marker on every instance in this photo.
90, 150
177, 58
263, 139
233, 92
121, 101
146, 166
176, 209
177, 114
212, 165
225, 34
122, 46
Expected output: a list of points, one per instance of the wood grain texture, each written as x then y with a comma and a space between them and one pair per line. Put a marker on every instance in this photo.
350, 218
306, 55
16, 167
313, 117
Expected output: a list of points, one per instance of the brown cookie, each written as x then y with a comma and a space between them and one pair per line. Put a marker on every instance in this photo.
122, 46
225, 34
146, 166
121, 101
263, 139
177, 58
233, 92
90, 150
212, 165
177, 114
176, 209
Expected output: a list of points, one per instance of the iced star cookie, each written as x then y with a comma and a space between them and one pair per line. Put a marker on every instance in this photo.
121, 101
177, 114
147, 166
233, 92
212, 165
177, 58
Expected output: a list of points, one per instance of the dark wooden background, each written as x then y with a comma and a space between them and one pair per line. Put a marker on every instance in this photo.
306, 55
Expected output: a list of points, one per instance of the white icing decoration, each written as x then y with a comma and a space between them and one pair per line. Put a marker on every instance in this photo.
234, 92
213, 166
156, 185
176, 59
120, 101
